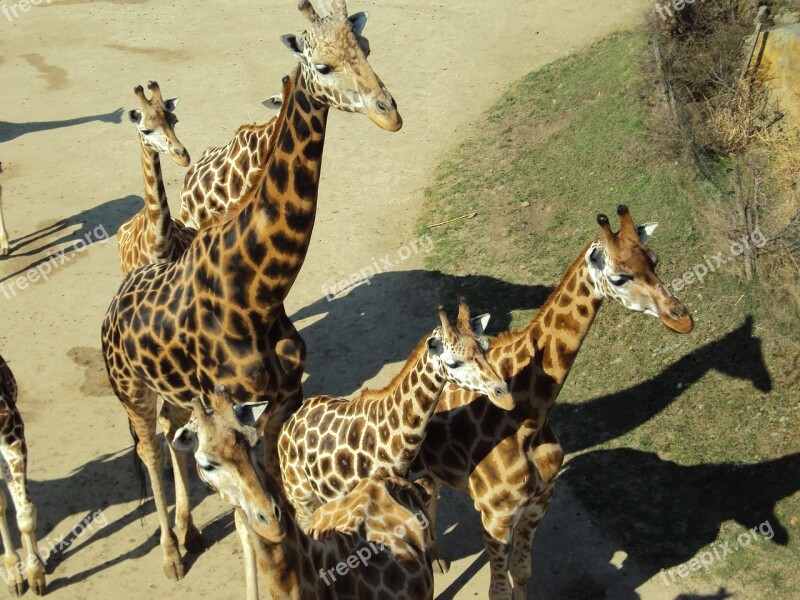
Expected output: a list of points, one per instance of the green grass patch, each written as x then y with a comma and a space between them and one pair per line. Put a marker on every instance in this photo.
679, 442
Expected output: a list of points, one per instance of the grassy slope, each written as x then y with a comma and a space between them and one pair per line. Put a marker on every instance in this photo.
684, 423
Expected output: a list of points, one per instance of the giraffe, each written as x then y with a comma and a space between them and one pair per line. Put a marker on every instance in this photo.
4, 247
173, 328
215, 185
152, 235
14, 466
378, 530
328, 445
508, 460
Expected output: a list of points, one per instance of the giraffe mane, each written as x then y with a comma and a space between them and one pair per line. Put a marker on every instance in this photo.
508, 337
288, 88
249, 197
374, 394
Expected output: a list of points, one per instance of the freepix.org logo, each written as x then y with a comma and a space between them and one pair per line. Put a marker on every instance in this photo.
14, 10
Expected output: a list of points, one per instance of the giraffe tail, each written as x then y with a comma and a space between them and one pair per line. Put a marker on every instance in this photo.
138, 466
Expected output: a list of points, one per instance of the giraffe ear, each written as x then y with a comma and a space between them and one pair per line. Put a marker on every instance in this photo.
134, 116
480, 322
292, 43
358, 21
645, 231
435, 346
186, 437
171, 104
273, 103
595, 259
248, 413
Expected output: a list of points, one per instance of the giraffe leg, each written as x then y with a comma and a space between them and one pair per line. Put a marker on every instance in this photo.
192, 540
12, 571
248, 554
547, 458
16, 476
520, 565
497, 539
3, 233
142, 414
439, 564
163, 420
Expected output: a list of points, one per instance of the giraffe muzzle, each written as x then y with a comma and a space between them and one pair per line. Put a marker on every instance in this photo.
180, 156
383, 112
501, 397
267, 527
677, 319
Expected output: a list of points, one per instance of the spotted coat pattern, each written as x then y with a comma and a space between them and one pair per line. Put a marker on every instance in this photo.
14, 467
508, 460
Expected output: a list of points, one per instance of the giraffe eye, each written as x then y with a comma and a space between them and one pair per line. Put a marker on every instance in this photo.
146, 131
323, 69
620, 279
454, 364
207, 467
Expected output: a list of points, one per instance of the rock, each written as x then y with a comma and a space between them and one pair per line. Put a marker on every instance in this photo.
780, 66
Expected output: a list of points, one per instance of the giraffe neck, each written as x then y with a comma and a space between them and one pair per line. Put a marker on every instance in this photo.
412, 395
254, 141
289, 566
554, 337
155, 201
263, 248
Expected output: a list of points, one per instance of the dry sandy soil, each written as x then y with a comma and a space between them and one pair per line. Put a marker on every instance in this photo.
72, 170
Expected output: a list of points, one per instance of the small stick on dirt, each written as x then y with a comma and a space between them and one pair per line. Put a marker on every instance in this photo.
791, 257
464, 216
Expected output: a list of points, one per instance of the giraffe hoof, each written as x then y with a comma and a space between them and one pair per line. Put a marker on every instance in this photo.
440, 565
174, 570
38, 586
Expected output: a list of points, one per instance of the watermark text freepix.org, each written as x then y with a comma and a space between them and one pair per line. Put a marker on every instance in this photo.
52, 547
379, 265
12, 11
42, 270
363, 555
718, 551
711, 263
677, 5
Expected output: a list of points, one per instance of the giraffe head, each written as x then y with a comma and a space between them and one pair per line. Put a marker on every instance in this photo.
333, 57
155, 121
623, 268
223, 443
460, 352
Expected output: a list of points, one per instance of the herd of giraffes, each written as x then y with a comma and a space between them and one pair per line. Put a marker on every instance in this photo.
199, 322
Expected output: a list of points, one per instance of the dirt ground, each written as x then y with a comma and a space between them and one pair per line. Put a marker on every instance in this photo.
67, 69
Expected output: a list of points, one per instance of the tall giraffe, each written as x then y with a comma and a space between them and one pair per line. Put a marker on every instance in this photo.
329, 444
174, 328
508, 460
4, 247
151, 235
382, 521
14, 466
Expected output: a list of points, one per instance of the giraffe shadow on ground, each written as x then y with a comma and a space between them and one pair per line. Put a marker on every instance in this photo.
70, 235
10, 131
381, 323
737, 354
682, 508
104, 482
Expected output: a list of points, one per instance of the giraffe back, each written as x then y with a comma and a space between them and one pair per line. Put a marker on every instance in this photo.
216, 185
